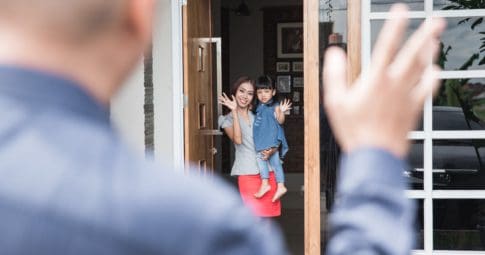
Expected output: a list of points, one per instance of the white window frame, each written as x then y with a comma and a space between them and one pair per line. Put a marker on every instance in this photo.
178, 77
427, 135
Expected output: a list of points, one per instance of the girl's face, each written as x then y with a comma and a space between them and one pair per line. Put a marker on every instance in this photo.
244, 95
264, 95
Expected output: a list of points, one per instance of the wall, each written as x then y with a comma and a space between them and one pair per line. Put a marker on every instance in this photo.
246, 35
163, 82
127, 110
127, 107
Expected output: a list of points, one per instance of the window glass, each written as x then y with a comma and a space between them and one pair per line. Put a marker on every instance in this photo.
419, 225
415, 159
460, 105
385, 5
459, 224
458, 164
458, 4
462, 44
376, 26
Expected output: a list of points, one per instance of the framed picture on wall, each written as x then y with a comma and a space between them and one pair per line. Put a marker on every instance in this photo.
296, 97
298, 82
290, 40
298, 67
282, 67
283, 83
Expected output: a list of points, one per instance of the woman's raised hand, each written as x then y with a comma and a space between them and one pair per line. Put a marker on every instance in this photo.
285, 105
227, 102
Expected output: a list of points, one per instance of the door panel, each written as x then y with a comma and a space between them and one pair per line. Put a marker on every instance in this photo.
198, 113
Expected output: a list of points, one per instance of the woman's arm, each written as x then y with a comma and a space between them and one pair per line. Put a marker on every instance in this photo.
234, 131
284, 106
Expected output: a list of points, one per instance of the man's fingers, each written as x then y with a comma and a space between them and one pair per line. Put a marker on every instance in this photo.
335, 73
418, 53
390, 38
428, 85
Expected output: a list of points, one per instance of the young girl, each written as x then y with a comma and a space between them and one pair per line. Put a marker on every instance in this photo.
268, 135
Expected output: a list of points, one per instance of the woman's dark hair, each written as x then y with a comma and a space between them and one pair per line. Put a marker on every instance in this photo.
243, 79
235, 86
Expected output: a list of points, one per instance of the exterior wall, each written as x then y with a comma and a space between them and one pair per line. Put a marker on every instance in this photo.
127, 112
163, 83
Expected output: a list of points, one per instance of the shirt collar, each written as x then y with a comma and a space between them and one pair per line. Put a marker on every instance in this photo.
42, 89
268, 103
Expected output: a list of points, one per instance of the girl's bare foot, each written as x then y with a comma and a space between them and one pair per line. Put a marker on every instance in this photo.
262, 190
279, 192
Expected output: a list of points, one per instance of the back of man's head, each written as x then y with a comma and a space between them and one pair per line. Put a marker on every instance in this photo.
74, 20
93, 42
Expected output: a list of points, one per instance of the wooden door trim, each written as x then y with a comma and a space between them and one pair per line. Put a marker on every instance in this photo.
311, 105
354, 39
312, 127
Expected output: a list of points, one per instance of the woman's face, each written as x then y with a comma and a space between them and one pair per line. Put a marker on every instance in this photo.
244, 95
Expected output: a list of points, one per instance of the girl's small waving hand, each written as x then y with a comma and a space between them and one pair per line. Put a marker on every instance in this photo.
284, 106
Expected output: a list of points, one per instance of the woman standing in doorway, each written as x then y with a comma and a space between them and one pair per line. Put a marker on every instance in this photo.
238, 125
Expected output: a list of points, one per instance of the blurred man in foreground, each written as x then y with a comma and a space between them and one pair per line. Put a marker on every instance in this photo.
70, 186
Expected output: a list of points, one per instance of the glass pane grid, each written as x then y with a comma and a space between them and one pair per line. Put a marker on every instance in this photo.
432, 134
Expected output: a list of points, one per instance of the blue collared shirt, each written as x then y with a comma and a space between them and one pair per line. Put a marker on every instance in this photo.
371, 214
267, 132
69, 185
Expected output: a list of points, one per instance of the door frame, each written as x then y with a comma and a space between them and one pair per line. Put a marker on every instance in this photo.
311, 74
311, 102
178, 85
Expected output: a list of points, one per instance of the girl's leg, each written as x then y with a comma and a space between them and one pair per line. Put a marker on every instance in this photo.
275, 163
264, 173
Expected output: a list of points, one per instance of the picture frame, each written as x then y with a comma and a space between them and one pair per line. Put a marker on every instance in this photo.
283, 83
298, 82
290, 40
296, 97
297, 67
282, 67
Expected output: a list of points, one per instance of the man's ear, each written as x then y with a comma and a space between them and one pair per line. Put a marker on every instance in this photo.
140, 18
274, 92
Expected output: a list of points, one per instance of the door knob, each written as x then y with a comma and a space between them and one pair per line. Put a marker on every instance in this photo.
214, 151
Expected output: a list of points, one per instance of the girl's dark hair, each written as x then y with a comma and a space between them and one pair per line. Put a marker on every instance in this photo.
265, 82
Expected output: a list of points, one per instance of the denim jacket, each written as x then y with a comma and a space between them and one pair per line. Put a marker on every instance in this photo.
267, 132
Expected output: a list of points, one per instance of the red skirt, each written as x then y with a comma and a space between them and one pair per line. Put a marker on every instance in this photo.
262, 207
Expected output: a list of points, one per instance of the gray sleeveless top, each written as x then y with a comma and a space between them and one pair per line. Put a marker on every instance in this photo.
245, 159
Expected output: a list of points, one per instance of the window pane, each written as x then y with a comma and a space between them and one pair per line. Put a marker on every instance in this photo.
419, 225
385, 5
460, 105
457, 4
376, 26
415, 159
462, 44
459, 224
458, 164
